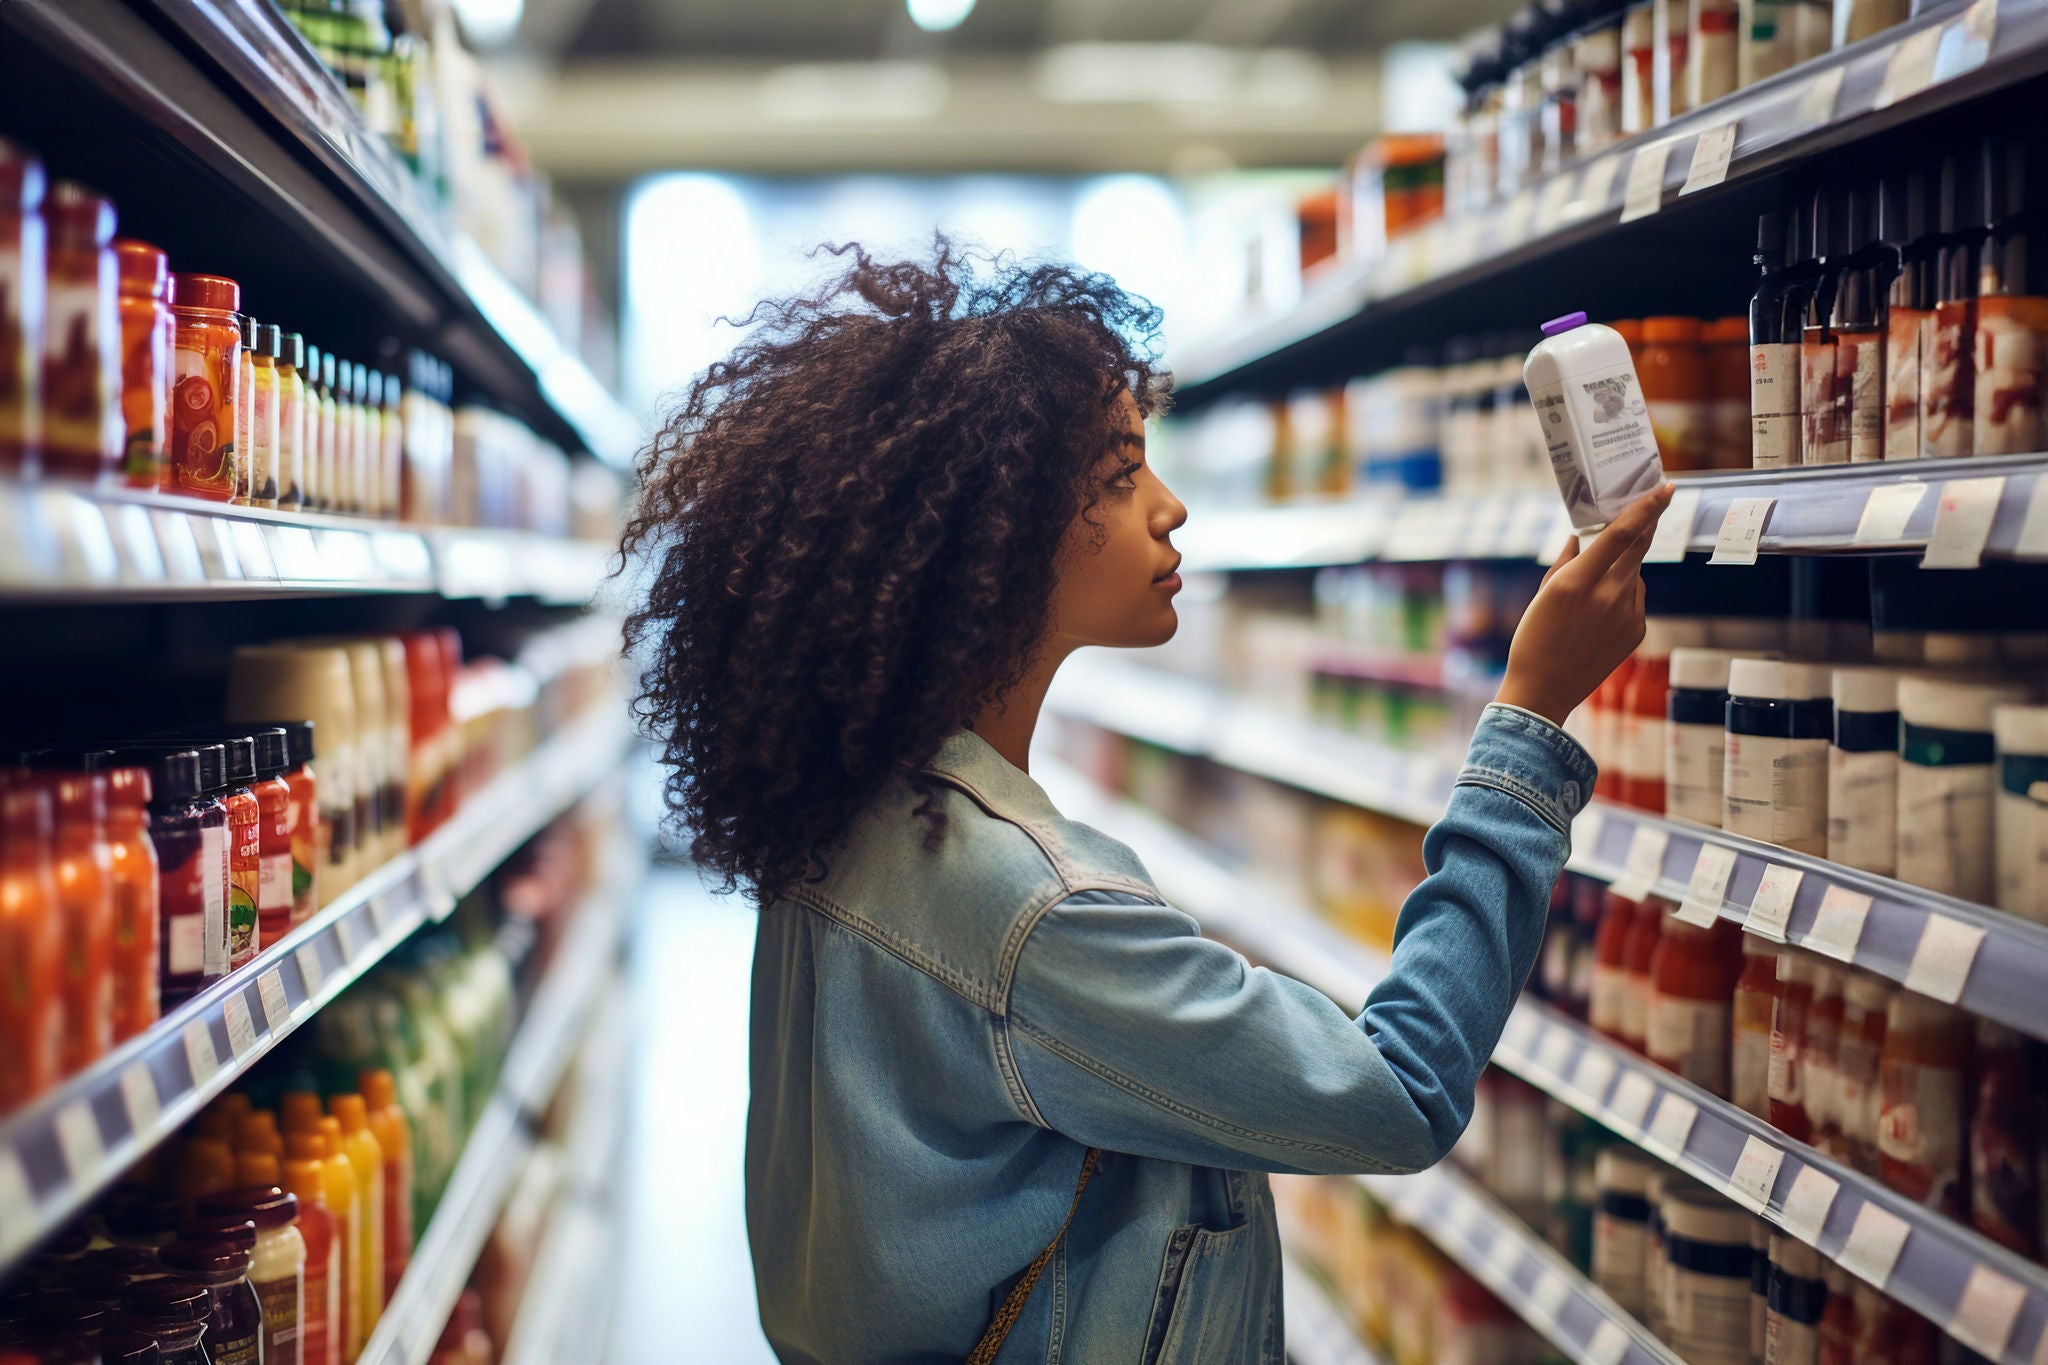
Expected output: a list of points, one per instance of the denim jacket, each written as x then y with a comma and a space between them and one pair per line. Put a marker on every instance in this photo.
939, 1033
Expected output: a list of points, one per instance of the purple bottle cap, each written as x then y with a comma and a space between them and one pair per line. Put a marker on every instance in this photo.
1564, 324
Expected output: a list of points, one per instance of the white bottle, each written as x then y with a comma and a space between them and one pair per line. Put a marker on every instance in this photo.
2021, 816
1863, 770
1946, 776
1596, 424
1775, 775
1696, 737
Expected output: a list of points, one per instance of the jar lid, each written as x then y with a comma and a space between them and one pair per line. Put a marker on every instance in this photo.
121, 1347
272, 340
1622, 1169
78, 210
106, 1275
1794, 1257
216, 292
167, 1302
294, 353
233, 761
2020, 729
1753, 677
1954, 703
1808, 682
177, 776
1700, 1215
1564, 324
265, 1206
1671, 331
133, 1214
1702, 668
233, 1229
25, 811
213, 1263
144, 269
1866, 689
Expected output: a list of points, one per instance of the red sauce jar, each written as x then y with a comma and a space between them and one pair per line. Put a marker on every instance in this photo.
1637, 954
274, 797
1786, 1079
83, 428
1692, 988
137, 903
1604, 1006
22, 255
83, 866
31, 946
189, 827
147, 333
1923, 1076
208, 355
1756, 992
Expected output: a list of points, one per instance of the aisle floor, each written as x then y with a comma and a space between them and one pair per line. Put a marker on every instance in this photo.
686, 1286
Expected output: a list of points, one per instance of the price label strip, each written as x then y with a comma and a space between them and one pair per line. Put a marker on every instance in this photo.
1838, 925
1807, 1204
78, 1136
139, 1097
1593, 1074
1504, 1257
1707, 890
1770, 909
1631, 1101
1548, 1298
1887, 511
1742, 531
1597, 187
307, 955
241, 1028
1608, 1346
1817, 101
1962, 522
1672, 1126
1911, 68
1645, 862
17, 1205
1755, 1173
2033, 541
1643, 194
1942, 960
1985, 1314
1710, 157
277, 1009
1674, 528
1554, 1052
1874, 1245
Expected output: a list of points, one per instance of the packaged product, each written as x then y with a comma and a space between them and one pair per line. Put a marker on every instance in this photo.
1596, 424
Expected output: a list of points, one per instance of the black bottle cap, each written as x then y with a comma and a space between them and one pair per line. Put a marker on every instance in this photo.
295, 350
1859, 210
1961, 206
298, 739
178, 774
273, 340
1770, 237
238, 746
1902, 206
2002, 172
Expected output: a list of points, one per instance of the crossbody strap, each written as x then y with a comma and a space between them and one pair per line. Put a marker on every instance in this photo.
984, 1352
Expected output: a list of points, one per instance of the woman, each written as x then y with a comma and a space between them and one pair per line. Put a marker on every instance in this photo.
1007, 1103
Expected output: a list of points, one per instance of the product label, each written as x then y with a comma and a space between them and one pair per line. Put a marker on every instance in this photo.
1786, 1079
1749, 1071
263, 437
1774, 405
81, 361
145, 391
1903, 342
282, 1302
225, 1350
1920, 1132
1944, 829
1643, 745
1790, 1342
1776, 790
21, 340
245, 889
322, 1310
203, 410
213, 863
1596, 430
185, 944
274, 891
1690, 1037
1694, 756
1708, 1315
1635, 1007
1823, 406
2011, 364
1863, 807
1859, 372
1604, 1006
1619, 1248
291, 422
1948, 389
2022, 836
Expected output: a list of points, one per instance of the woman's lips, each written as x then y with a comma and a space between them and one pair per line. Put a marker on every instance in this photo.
1171, 583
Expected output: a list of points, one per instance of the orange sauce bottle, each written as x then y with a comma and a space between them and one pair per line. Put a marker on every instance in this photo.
31, 947
137, 896
83, 867
208, 357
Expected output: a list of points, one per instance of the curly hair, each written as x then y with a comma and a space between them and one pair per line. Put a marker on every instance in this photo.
853, 521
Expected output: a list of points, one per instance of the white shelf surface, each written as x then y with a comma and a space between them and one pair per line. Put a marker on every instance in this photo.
1984, 960
64, 1148
1941, 1269
1319, 1331
1813, 511
67, 542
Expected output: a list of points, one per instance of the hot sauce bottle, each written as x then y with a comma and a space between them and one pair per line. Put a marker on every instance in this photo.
1637, 954
209, 354
265, 414
83, 866
1606, 1004
2010, 362
1948, 384
189, 827
146, 335
1909, 307
1786, 1079
137, 901
1750, 1043
22, 254
31, 947
82, 425
1922, 1076
245, 848
320, 1322
274, 797
1692, 985
291, 422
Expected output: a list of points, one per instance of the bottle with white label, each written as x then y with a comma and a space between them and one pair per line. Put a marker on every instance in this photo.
188, 825
1621, 1223
2021, 815
1774, 775
312, 683
1695, 734
1706, 1276
1773, 354
1946, 778
1798, 1295
1863, 770
1596, 424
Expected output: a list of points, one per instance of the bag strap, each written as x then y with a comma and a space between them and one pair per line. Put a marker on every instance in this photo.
984, 1352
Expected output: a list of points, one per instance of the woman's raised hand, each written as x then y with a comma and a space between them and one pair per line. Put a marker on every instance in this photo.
1587, 616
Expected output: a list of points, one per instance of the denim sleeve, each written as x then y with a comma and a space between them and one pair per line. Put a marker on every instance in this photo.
1132, 1032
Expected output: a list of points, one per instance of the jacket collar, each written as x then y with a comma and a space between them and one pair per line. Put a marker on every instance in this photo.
971, 763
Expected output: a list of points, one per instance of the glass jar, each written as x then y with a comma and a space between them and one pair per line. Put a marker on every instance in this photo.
22, 256
217, 1253
83, 429
171, 1312
204, 461
146, 338
189, 829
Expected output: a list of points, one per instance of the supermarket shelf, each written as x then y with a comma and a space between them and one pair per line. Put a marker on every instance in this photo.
66, 543
230, 84
548, 1036
62, 1150
1814, 511
1934, 63
1985, 960
1319, 1331
1981, 1293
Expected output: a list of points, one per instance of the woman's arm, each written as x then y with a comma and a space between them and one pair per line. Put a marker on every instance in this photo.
1134, 1033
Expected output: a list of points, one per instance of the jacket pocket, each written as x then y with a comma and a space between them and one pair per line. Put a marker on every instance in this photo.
1203, 1311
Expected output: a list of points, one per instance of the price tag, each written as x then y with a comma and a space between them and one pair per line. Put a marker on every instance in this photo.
1547, 1298
1942, 961
1586, 831
1608, 1346
1874, 1244
2033, 541
1911, 68
1756, 1171
1817, 101
1710, 157
138, 1095
241, 1028
1742, 531
1645, 862
346, 938
1771, 907
1962, 522
1886, 511
1708, 887
1631, 1101
378, 915
1593, 1074
307, 956
1643, 195
1674, 528
1673, 1123
1556, 202
17, 1204
1838, 925
1987, 1311
1807, 1204
276, 1009
1554, 1052
200, 1054
1597, 187
1964, 46
78, 1135
1505, 1255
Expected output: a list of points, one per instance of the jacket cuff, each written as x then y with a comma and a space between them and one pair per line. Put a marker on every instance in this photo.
1524, 755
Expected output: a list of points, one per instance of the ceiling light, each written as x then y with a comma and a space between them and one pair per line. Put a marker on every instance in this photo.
937, 16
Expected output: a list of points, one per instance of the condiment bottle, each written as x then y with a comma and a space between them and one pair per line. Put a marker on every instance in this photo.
1948, 385
22, 266
315, 470
453, 789
1645, 699
146, 337
316, 683
391, 427
189, 826
1946, 778
1644, 933
291, 421
277, 1269
366, 1157
1922, 1076
83, 429
354, 444
83, 867
1823, 1046
245, 413
1674, 377
1596, 52
1858, 1097
1621, 1223
172, 1312
428, 738
2005, 1139
266, 416
1798, 1297
333, 491
1838, 1319
1638, 68
2010, 362
1670, 38
218, 1254
1786, 1079
374, 772
1696, 714
31, 948
274, 798
1707, 1275
137, 895
393, 1131
1858, 323
345, 1189
1863, 770
1774, 778
1756, 996
1608, 707
245, 847
1773, 349
1724, 343
308, 843
1607, 1003
2020, 809
331, 1251
1692, 987
1710, 52
1603, 453
373, 445
1762, 49
209, 358
1902, 215
1823, 403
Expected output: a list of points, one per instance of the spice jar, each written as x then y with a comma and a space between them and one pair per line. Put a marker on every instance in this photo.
134, 875
83, 867
1756, 995
277, 1269
1621, 1223
189, 827
2020, 809
1863, 770
1798, 1296
218, 1254
1692, 988
146, 336
1774, 777
1946, 779
22, 266
1596, 52
31, 948
83, 429
233, 783
1644, 703
1921, 1075
1695, 733
209, 355
313, 682
1707, 1255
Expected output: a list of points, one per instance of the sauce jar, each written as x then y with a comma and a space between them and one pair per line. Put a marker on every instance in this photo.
83, 866
1707, 1276
31, 947
1674, 376
1922, 1075
137, 905
22, 254
1692, 989
146, 338
189, 826
208, 356
171, 1312
83, 429
217, 1253
277, 1270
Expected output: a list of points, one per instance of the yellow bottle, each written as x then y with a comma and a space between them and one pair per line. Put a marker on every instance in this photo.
340, 1171
320, 1319
394, 1136
338, 1182
352, 1117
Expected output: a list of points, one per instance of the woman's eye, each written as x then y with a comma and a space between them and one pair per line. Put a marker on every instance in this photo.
1123, 478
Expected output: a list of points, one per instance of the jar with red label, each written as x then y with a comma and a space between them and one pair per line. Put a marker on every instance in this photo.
1865, 999
189, 829
1823, 1050
146, 337
1756, 994
22, 250
31, 947
1644, 934
83, 865
137, 906
1605, 1006
1692, 987
82, 425
274, 797
208, 356
1923, 1075
1786, 1079
2005, 1135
